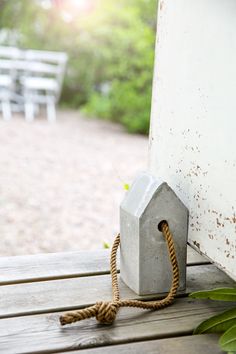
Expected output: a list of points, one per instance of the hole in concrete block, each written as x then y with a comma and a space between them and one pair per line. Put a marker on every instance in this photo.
159, 226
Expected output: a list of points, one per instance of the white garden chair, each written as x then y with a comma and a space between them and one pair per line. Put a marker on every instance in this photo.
30, 78
5, 96
7, 79
42, 81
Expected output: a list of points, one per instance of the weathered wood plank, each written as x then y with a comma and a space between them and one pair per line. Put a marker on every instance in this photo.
43, 333
53, 266
64, 294
21, 269
205, 343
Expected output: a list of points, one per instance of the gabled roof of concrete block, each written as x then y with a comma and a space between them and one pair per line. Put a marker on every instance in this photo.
140, 194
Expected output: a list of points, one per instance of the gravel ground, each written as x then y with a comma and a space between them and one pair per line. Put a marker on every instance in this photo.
61, 184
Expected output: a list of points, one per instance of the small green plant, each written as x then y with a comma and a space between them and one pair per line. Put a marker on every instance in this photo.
106, 245
126, 186
223, 323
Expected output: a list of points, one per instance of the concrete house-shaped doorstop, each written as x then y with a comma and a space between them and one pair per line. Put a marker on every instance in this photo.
144, 261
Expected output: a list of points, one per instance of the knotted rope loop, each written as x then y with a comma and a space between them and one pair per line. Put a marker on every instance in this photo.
106, 311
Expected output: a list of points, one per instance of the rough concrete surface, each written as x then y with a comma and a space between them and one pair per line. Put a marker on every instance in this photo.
61, 184
144, 258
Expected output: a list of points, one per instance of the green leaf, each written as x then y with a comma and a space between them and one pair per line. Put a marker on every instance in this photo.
106, 245
228, 339
126, 186
218, 323
224, 294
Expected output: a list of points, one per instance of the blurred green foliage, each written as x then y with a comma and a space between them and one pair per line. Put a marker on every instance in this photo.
110, 49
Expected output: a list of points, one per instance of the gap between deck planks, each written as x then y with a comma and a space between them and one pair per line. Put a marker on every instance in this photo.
43, 333
21, 269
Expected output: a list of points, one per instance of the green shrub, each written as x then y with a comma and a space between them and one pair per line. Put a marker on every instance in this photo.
111, 47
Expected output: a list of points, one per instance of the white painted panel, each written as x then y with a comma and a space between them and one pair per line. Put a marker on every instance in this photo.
193, 123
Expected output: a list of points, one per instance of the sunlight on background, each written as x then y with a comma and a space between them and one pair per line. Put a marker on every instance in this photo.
70, 9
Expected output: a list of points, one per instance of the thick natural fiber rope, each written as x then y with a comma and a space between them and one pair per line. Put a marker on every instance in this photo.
106, 311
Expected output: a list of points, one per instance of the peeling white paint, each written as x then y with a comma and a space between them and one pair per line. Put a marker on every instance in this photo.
193, 123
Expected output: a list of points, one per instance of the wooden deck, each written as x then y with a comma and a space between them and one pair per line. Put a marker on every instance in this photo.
35, 290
